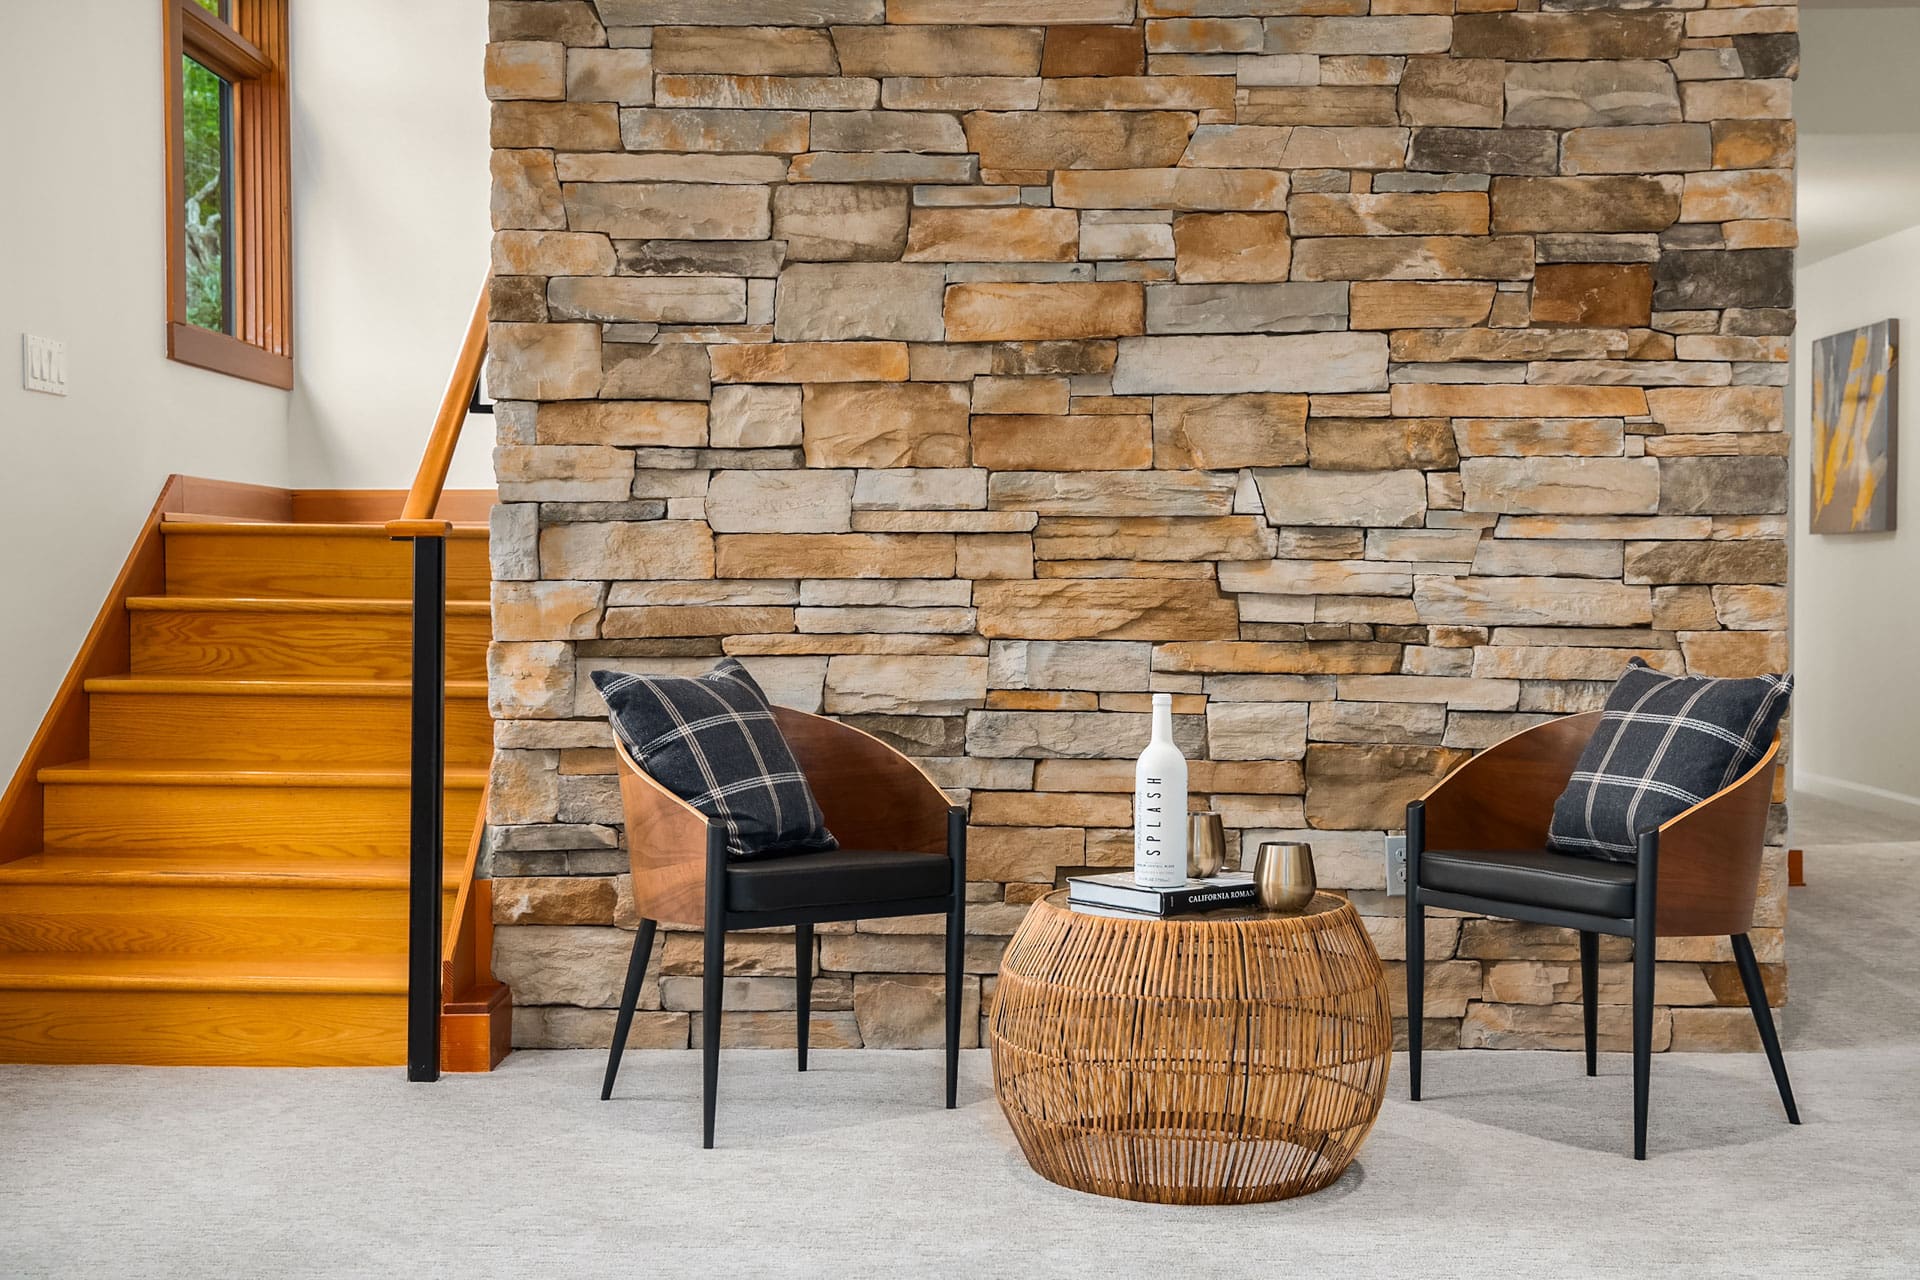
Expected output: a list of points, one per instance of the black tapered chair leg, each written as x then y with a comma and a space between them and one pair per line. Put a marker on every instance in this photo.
1590, 996
1416, 989
1645, 918
713, 968
1763, 1019
629, 997
956, 946
802, 987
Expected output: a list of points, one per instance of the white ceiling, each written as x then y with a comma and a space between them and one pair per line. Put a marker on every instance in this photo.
1859, 113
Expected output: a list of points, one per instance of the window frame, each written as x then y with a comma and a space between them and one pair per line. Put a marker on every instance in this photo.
249, 51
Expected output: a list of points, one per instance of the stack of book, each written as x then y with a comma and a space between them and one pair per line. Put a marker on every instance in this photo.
1119, 894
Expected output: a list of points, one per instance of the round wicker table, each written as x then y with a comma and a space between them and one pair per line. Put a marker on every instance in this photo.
1226, 1058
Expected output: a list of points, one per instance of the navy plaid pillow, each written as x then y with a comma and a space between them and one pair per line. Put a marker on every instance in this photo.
1664, 744
712, 741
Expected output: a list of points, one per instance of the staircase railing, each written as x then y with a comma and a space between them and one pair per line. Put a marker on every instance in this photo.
427, 821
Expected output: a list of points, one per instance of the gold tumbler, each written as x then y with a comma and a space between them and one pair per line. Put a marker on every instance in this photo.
1283, 876
1206, 846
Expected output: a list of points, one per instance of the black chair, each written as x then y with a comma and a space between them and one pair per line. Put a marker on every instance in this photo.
1477, 842
903, 853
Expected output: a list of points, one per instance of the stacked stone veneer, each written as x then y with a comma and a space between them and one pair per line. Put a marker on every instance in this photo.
1375, 378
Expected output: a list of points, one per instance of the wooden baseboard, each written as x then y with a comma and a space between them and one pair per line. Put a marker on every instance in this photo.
477, 1033
1796, 868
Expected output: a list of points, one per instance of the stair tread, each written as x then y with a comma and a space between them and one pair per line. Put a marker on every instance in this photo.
170, 869
465, 529
275, 686
292, 604
344, 974
215, 775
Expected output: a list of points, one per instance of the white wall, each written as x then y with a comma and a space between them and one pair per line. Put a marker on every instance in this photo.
390, 243
390, 232
82, 259
1856, 597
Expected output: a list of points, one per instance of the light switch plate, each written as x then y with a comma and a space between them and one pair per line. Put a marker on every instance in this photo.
1396, 866
43, 364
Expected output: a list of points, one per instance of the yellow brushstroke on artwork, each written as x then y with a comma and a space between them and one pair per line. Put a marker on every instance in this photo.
1840, 446
1868, 475
1863, 496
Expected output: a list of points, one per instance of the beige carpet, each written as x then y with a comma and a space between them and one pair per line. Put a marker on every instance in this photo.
1516, 1164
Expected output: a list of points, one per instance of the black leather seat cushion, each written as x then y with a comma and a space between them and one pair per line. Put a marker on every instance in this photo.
842, 877
1533, 878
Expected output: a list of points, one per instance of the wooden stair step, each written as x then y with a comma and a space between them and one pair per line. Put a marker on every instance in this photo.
138, 807
66, 902
361, 638
190, 1010
276, 722
229, 558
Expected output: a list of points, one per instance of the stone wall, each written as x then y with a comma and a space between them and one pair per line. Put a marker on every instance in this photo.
1376, 378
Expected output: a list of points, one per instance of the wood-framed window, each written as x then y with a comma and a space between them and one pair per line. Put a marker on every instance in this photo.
229, 214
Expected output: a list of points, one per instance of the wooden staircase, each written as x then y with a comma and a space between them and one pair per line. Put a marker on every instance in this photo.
204, 860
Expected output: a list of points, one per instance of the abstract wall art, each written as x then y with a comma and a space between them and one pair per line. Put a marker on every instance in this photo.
1855, 421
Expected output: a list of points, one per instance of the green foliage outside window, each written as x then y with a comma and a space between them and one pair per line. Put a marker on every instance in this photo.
205, 97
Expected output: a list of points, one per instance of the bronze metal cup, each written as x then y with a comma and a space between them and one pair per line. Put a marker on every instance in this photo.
1283, 877
1206, 846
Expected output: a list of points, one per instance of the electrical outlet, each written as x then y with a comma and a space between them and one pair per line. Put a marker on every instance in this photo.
43, 364
1396, 866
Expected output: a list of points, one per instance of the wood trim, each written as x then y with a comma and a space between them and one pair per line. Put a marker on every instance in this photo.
476, 1012
377, 506
252, 54
423, 499
224, 353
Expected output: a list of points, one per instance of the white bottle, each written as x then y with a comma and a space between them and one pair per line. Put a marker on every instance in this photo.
1160, 806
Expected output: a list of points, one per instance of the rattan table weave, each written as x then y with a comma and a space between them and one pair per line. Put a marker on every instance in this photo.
1224, 1058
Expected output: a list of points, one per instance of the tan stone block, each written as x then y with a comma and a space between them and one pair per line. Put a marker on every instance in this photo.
526, 69
883, 167
1020, 395
1529, 437
994, 556
662, 621
1316, 147
1017, 234
575, 965
745, 417
833, 555
1734, 653
551, 253
551, 610
1094, 51
1361, 787
1231, 247
1526, 601
627, 550
1749, 608
861, 424
1276, 657
1104, 609
778, 501
657, 424
543, 361
624, 76
961, 93
1450, 985
1078, 442
669, 210
663, 371
959, 50
1656, 148
1466, 92
908, 1011
1152, 538
1137, 93
705, 130
810, 362
1408, 304
835, 222
657, 299
1378, 444
836, 301
525, 192
1527, 662
1230, 431
1023, 853
766, 93
562, 473
1112, 493
566, 900
998, 312
1030, 808
1357, 35
1611, 204
1761, 561
1711, 409
1325, 104
1753, 144
905, 685
1555, 1026
1731, 195
1593, 294
1179, 189
1301, 496
1408, 213
1256, 730
1737, 99
1126, 241
572, 126
1077, 139
1413, 258
1010, 12
1454, 400
1307, 362
764, 50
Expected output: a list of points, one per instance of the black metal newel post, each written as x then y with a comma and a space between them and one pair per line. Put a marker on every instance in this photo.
427, 816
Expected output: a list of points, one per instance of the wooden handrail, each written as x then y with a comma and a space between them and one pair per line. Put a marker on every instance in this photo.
423, 499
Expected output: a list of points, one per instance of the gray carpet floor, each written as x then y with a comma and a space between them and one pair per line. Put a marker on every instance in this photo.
1515, 1165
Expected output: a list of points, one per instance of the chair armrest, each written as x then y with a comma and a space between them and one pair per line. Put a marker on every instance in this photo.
1503, 797
667, 843
1709, 862
872, 796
